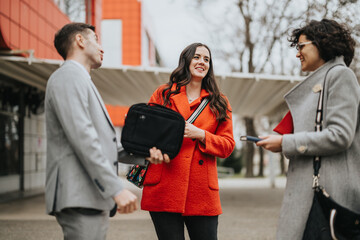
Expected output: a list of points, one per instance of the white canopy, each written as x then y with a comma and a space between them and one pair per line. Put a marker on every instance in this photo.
250, 95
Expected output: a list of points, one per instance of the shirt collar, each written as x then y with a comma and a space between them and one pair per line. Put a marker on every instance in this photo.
81, 66
203, 92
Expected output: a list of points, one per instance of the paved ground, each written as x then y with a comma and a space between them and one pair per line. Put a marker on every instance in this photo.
251, 209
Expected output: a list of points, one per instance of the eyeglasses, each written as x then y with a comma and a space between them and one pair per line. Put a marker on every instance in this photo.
300, 46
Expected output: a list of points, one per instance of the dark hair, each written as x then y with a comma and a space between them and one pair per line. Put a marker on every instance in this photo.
331, 39
65, 36
181, 76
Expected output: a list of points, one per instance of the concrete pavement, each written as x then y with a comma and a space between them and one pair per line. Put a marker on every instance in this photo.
250, 211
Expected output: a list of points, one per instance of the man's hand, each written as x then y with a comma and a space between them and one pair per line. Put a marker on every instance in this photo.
156, 156
272, 143
126, 202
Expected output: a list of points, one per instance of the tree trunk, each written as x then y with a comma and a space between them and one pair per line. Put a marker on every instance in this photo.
261, 163
282, 164
249, 155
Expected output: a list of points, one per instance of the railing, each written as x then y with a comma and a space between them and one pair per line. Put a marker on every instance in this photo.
224, 172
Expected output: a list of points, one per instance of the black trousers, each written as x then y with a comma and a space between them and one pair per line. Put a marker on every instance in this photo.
170, 226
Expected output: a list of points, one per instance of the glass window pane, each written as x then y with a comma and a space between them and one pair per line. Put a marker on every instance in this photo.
9, 145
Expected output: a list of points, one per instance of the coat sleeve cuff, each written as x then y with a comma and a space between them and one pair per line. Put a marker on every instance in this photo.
288, 145
202, 145
293, 145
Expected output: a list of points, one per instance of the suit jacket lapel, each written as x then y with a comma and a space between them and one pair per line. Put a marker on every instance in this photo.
102, 104
97, 94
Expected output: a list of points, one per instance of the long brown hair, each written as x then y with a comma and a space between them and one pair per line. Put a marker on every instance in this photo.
181, 76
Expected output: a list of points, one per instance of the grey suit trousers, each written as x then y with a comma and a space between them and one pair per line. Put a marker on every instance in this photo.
83, 223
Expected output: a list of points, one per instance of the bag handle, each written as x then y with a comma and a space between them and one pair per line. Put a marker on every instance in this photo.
157, 105
195, 114
198, 110
318, 128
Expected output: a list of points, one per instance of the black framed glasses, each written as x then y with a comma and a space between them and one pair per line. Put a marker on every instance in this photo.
300, 46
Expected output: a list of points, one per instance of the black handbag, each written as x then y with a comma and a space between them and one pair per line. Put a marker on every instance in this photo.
137, 173
328, 219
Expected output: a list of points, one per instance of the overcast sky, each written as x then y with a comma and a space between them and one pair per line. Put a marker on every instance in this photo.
173, 27
174, 24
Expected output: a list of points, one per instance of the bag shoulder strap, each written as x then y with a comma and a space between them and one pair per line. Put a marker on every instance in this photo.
318, 128
198, 110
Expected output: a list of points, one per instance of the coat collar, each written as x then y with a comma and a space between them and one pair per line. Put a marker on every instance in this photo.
181, 103
317, 76
83, 69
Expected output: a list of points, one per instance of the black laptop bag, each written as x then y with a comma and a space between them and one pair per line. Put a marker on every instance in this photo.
152, 125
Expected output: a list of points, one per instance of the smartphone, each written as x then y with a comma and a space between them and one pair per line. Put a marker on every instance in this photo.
250, 138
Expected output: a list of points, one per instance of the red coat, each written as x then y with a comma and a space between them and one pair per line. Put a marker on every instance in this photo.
189, 183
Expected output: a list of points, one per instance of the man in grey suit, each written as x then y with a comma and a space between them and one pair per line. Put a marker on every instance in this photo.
81, 181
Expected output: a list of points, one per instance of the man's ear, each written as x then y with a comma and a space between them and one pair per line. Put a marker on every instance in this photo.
80, 40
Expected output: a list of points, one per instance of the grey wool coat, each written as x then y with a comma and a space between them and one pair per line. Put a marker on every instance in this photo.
338, 144
81, 143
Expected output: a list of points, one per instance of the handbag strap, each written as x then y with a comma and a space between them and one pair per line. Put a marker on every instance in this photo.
318, 128
198, 110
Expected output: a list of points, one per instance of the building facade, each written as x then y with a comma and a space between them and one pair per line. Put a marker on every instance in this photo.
27, 29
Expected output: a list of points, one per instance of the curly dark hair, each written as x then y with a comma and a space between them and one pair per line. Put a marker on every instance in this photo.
331, 39
181, 76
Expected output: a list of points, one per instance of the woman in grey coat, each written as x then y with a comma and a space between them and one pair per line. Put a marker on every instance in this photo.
321, 45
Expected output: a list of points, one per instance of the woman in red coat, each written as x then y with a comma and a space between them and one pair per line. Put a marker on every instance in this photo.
185, 190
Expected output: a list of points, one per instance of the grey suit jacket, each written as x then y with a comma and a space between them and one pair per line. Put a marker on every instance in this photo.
81, 143
338, 144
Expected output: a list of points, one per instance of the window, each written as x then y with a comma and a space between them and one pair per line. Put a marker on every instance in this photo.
9, 144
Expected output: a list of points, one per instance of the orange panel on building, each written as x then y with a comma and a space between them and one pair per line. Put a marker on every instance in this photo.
26, 25
117, 114
96, 15
129, 11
